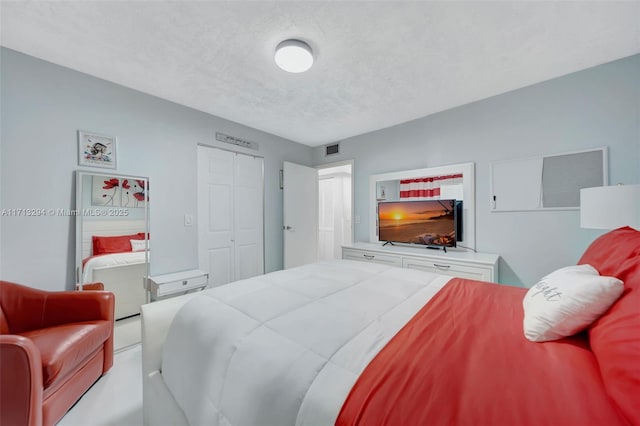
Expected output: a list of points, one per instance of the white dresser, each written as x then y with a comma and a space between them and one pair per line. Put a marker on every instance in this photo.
464, 264
162, 286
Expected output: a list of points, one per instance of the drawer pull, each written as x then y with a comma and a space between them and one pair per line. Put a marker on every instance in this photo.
442, 266
184, 282
368, 256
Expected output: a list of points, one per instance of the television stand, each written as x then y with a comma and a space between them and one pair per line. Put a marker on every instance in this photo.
388, 242
437, 248
471, 265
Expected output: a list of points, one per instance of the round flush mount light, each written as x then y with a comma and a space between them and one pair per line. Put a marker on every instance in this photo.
294, 56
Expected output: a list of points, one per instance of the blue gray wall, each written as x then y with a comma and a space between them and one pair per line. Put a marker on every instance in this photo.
42, 107
592, 108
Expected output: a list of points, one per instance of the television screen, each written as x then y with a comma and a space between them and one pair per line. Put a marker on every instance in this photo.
430, 222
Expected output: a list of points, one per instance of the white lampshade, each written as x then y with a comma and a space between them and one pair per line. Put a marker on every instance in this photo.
610, 207
294, 56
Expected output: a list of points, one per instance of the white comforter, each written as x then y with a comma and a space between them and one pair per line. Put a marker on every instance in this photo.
109, 260
285, 348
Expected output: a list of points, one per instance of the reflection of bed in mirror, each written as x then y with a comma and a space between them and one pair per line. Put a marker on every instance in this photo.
112, 229
121, 272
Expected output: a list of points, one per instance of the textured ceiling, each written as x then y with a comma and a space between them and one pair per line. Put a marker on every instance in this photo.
378, 64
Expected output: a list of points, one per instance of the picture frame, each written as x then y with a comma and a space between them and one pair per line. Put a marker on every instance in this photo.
106, 191
97, 150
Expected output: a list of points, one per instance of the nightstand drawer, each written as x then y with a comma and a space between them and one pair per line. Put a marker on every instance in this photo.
163, 285
182, 285
372, 257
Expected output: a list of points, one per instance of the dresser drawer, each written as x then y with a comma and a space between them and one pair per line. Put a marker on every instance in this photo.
449, 268
464, 264
368, 256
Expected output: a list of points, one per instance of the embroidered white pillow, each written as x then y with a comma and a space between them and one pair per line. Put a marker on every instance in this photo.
138, 245
566, 301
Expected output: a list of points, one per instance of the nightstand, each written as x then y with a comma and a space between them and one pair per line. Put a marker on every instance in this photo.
168, 285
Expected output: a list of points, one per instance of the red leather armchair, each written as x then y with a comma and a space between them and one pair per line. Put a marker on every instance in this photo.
53, 347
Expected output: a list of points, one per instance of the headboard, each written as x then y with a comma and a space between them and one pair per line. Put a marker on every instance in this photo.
108, 228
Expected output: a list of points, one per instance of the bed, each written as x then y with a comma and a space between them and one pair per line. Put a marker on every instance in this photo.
120, 262
347, 342
122, 274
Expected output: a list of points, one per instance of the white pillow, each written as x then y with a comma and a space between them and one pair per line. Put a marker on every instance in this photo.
138, 245
566, 301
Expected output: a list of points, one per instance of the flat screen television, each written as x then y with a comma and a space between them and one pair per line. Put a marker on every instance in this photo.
433, 223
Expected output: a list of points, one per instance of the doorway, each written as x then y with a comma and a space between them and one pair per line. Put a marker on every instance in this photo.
317, 212
335, 209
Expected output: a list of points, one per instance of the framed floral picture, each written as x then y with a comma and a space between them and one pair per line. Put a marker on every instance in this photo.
110, 191
96, 150
134, 192
106, 191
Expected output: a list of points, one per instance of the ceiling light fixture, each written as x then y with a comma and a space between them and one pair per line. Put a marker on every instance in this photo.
294, 56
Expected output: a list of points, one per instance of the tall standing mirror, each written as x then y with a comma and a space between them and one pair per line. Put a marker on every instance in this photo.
112, 231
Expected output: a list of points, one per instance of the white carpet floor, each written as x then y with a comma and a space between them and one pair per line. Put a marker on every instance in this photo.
126, 333
116, 398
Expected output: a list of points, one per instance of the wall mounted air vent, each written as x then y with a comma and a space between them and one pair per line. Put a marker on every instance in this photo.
236, 141
332, 149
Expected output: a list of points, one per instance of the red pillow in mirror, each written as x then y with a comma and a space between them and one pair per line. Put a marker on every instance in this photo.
116, 244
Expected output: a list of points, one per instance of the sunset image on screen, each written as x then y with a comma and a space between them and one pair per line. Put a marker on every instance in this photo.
418, 222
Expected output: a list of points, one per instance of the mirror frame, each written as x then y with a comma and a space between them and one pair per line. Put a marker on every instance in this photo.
80, 213
469, 194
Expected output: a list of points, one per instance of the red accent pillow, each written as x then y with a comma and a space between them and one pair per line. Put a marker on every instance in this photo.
615, 336
609, 251
117, 244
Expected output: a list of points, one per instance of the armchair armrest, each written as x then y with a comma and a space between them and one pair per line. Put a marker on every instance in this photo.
93, 286
20, 381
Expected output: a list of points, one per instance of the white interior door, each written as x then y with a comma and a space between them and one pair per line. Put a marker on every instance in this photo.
300, 214
230, 215
249, 223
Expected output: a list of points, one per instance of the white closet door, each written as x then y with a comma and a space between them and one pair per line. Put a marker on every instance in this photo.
215, 214
249, 234
230, 215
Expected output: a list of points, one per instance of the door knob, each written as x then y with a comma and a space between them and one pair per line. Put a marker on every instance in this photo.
288, 228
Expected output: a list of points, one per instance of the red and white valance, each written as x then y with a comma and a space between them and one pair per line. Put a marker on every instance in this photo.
427, 187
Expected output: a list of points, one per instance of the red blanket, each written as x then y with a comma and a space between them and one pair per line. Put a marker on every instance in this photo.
463, 359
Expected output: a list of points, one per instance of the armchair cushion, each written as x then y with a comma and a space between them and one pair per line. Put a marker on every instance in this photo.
63, 347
